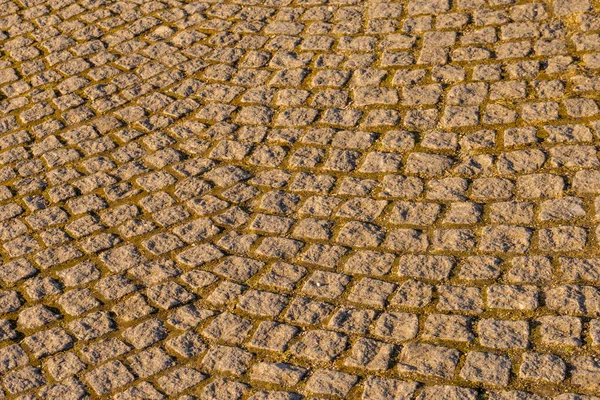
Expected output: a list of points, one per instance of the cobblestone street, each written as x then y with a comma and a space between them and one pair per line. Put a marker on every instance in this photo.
300, 199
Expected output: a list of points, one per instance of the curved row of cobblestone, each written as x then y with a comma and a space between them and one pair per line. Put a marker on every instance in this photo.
286, 199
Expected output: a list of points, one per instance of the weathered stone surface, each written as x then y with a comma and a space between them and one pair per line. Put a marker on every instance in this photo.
320, 345
585, 372
332, 383
502, 334
283, 199
429, 360
448, 327
486, 367
108, 377
560, 330
543, 367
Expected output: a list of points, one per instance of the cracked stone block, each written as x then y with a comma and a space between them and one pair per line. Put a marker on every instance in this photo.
225, 293
370, 354
413, 293
305, 311
427, 359
486, 367
280, 374
283, 276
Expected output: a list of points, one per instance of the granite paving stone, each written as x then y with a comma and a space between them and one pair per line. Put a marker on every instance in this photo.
300, 199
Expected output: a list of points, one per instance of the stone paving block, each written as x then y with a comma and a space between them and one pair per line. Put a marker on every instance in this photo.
486, 367
320, 345
427, 359
108, 377
283, 199
542, 367
332, 383
277, 373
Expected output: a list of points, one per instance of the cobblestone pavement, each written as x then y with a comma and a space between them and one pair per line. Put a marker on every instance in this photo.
285, 199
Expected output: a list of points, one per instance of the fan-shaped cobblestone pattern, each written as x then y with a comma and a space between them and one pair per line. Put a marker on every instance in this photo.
287, 199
